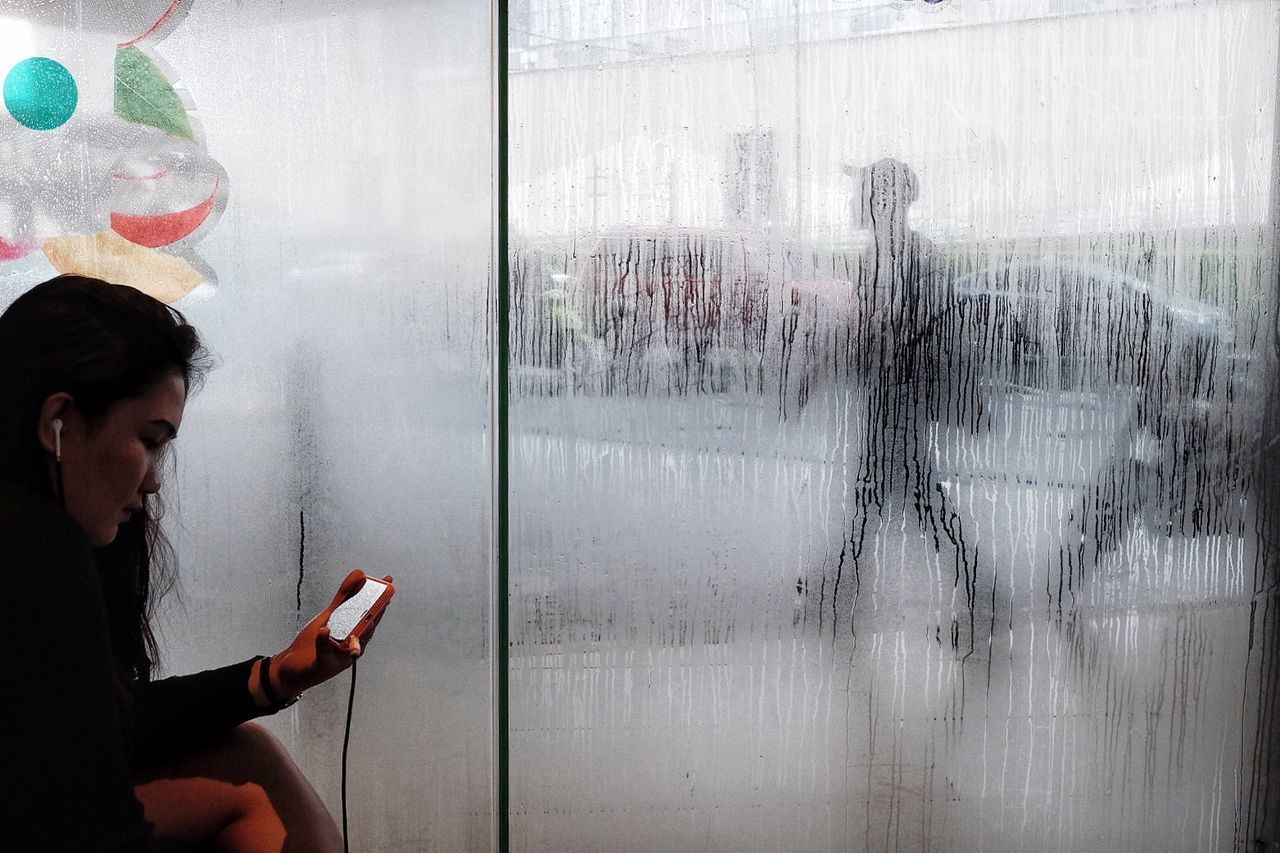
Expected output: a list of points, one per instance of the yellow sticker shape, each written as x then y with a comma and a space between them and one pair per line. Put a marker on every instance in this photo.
110, 257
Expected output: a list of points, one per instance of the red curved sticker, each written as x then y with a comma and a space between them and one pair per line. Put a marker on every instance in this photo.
163, 228
11, 250
168, 13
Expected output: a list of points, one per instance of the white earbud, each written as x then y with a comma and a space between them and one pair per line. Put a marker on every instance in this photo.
57, 439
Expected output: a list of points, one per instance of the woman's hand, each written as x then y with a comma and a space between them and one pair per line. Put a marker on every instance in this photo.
312, 658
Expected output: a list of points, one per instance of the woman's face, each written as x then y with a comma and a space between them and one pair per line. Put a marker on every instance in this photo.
110, 463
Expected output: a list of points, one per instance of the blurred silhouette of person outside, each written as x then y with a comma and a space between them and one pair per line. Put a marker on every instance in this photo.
902, 294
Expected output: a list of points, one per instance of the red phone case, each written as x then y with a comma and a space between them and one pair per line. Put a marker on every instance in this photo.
372, 613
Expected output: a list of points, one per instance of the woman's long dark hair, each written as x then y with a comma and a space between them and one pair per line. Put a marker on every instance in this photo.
101, 343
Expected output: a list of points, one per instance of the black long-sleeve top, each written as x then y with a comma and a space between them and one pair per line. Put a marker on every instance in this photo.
74, 730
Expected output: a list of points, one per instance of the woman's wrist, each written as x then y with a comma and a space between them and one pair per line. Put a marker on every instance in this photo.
284, 675
266, 687
255, 685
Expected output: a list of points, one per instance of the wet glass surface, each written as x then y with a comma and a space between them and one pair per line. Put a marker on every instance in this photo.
342, 279
889, 388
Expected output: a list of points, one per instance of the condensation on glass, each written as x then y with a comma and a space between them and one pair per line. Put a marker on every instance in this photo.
311, 184
889, 427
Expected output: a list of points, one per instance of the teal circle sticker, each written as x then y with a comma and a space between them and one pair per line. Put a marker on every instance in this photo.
40, 93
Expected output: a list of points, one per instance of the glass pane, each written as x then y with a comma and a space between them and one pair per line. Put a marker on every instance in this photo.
338, 267
888, 382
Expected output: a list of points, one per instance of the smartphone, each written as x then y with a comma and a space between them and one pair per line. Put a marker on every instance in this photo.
357, 612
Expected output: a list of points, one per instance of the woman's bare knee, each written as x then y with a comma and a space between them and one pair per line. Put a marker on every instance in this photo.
266, 781
253, 752
197, 810
258, 756
260, 827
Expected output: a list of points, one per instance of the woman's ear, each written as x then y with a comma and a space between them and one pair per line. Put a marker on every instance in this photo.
56, 410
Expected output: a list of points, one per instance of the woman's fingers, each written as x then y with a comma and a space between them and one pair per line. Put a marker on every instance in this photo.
350, 584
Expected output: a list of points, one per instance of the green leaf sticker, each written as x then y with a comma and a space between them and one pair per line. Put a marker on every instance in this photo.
145, 96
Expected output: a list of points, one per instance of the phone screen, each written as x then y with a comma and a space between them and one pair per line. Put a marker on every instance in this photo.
348, 614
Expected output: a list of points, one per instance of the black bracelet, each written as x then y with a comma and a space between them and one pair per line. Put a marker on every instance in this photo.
264, 681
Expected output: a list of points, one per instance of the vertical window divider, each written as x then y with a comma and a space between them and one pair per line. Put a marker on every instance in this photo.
499, 304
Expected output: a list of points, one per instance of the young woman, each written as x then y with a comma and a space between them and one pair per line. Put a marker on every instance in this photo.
96, 755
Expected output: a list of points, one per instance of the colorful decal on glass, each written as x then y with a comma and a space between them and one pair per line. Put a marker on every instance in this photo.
106, 170
40, 93
145, 96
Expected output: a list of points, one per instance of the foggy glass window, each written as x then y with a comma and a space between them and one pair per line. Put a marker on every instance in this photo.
893, 401
277, 172
890, 387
